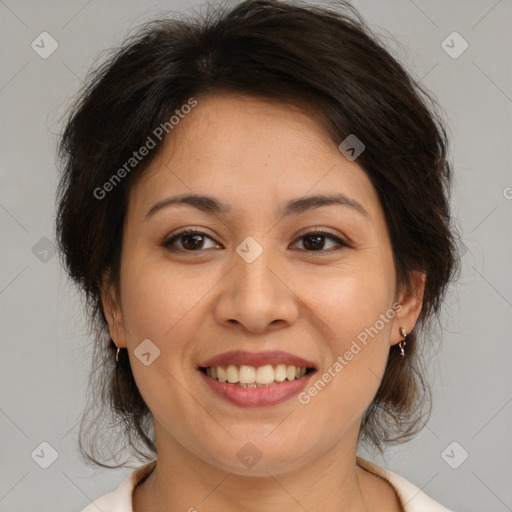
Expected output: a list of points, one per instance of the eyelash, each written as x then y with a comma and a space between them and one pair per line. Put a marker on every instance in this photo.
168, 242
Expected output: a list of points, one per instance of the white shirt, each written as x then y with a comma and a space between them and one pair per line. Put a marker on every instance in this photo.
411, 498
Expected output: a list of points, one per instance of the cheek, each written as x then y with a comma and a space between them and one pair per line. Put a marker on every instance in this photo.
355, 313
350, 297
160, 304
158, 298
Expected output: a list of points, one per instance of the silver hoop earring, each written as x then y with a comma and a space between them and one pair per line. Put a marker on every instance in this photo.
117, 354
403, 342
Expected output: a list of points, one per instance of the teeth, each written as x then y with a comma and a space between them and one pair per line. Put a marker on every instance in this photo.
247, 374
280, 373
265, 374
221, 373
232, 374
251, 376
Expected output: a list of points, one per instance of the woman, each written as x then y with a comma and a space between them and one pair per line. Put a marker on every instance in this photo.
256, 205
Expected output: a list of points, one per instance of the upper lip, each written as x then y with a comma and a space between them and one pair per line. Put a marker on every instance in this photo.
239, 357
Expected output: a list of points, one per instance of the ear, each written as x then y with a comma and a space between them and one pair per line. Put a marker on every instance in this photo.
113, 313
411, 301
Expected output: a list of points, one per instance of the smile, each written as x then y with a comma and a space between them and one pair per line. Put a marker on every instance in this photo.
256, 376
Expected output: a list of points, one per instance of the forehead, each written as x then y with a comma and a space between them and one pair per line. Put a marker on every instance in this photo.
246, 148
226, 126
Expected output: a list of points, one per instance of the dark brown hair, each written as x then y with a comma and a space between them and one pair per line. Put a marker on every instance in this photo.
327, 62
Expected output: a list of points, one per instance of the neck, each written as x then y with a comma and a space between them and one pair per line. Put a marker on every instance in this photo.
181, 481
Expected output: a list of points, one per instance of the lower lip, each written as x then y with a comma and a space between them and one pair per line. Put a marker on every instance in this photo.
256, 397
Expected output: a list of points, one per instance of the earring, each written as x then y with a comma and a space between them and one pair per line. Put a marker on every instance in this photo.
117, 354
403, 342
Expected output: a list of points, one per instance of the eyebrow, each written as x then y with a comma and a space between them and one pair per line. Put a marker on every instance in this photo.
293, 207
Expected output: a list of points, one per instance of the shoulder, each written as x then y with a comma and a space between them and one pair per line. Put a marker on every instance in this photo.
120, 499
411, 497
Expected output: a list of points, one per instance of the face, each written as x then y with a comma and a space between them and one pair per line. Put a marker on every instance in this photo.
262, 272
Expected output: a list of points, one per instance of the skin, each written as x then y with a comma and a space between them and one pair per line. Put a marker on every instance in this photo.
255, 155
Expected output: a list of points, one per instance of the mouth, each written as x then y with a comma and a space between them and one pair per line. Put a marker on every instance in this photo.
256, 379
264, 376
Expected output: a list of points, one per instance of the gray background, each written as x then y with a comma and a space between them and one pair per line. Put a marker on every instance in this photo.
45, 346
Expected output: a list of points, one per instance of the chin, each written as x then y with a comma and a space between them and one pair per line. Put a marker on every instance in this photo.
258, 459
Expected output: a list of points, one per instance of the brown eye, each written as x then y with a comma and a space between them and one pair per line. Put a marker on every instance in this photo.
190, 241
194, 241
316, 241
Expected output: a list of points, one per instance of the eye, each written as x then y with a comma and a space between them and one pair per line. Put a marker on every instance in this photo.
189, 239
314, 241
193, 241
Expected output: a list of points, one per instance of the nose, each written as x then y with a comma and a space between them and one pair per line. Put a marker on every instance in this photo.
257, 295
